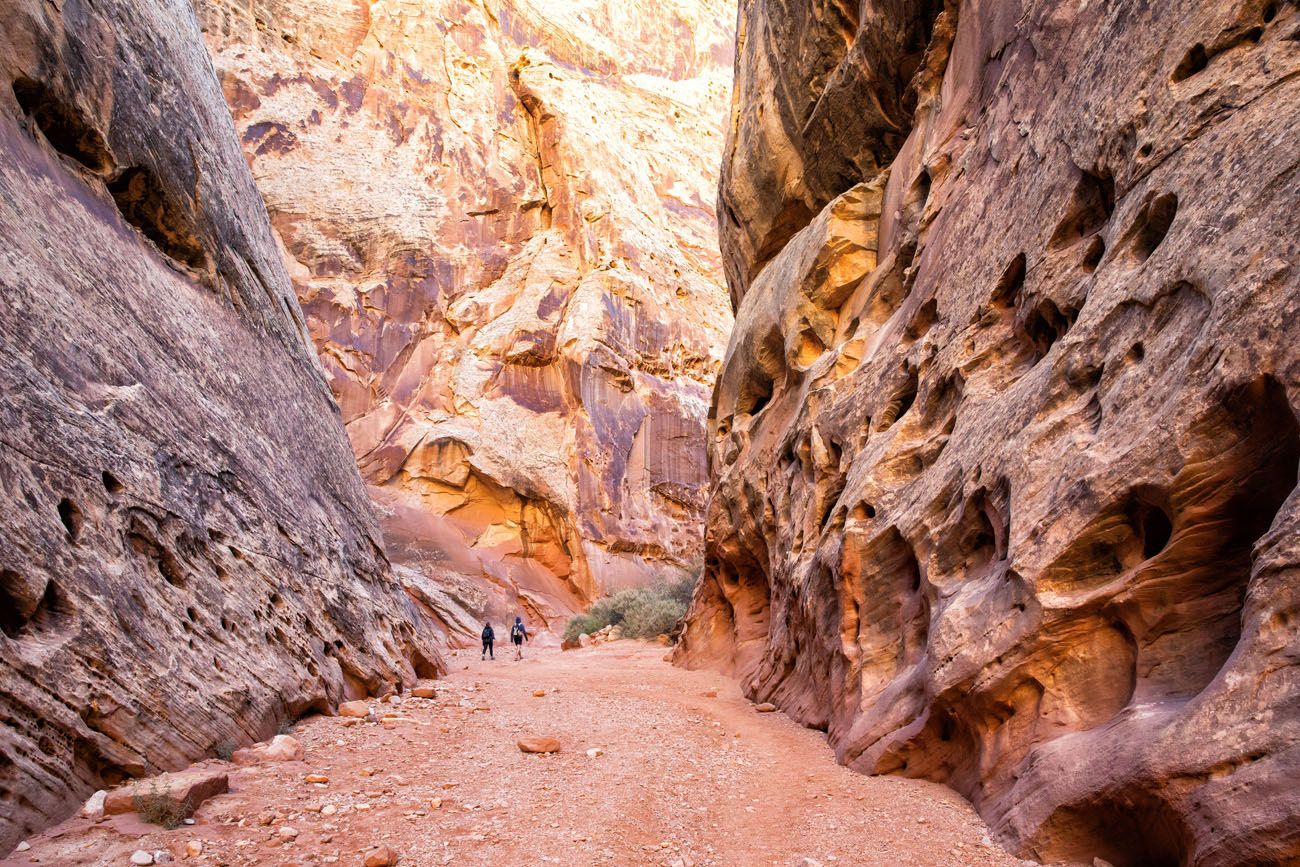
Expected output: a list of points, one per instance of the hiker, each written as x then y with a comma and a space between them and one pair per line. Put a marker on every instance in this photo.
517, 635
488, 637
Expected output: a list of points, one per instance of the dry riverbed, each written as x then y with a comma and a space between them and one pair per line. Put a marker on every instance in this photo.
681, 771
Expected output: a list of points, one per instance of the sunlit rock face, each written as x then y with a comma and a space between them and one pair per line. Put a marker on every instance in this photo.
499, 220
1005, 443
187, 553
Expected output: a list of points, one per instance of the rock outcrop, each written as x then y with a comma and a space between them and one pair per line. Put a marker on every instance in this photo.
188, 555
1004, 449
499, 222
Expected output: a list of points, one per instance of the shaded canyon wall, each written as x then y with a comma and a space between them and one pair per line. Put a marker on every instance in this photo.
188, 555
1004, 449
499, 221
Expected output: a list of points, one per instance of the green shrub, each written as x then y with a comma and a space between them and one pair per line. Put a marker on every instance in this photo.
225, 750
639, 612
157, 808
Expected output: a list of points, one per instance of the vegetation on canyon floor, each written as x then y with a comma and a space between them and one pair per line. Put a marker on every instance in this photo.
639, 612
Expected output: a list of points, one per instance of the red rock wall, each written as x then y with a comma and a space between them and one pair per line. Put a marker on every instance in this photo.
188, 556
1004, 449
499, 221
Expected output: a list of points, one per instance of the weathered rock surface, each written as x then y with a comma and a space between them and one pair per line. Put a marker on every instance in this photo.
1005, 444
188, 554
499, 222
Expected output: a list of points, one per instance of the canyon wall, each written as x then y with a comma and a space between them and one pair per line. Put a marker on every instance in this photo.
1004, 449
188, 555
499, 221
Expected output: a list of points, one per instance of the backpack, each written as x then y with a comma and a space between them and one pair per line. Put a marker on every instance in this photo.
487, 633
517, 631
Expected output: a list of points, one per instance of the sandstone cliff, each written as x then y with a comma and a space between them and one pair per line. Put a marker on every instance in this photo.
500, 225
1005, 446
188, 554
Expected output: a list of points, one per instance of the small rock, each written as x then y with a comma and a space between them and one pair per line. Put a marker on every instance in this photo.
94, 806
379, 856
287, 832
595, 753
424, 692
194, 849
316, 778
538, 745
141, 858
538, 693
435, 803
711, 692
328, 810
162, 856
765, 707
23, 846
1101, 862
354, 709
810, 862
584, 640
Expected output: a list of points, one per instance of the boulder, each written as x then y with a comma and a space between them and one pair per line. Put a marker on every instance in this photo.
354, 709
424, 692
179, 793
281, 748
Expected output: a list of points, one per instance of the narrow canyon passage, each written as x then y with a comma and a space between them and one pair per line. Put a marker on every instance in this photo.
690, 774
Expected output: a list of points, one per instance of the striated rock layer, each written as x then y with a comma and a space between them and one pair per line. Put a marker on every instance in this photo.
188, 554
1004, 450
499, 222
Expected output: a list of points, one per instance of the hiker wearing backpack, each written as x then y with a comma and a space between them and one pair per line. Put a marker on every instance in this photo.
488, 638
517, 635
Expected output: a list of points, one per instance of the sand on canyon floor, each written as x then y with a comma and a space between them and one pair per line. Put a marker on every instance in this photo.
683, 777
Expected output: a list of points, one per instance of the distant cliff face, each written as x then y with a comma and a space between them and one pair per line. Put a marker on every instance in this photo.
188, 555
499, 219
1005, 448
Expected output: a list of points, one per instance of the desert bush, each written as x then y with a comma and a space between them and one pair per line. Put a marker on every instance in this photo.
225, 750
639, 612
157, 808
